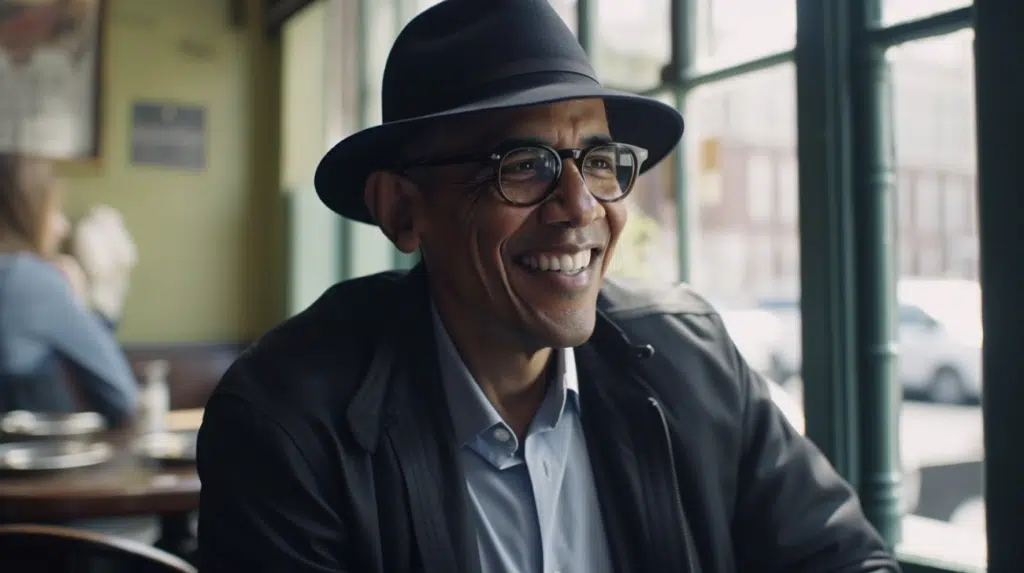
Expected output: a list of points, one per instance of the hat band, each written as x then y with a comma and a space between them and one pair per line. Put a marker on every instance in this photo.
515, 77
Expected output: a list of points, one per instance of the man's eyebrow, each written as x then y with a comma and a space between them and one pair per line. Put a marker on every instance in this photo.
587, 141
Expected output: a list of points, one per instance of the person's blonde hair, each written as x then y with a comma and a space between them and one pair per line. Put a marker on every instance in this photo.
27, 193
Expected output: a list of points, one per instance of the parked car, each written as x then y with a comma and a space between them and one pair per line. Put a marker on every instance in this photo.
940, 336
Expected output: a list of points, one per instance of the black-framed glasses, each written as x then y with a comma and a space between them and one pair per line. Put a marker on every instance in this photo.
527, 175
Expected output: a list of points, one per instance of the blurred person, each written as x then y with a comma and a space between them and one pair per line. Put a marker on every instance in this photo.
44, 324
502, 407
104, 247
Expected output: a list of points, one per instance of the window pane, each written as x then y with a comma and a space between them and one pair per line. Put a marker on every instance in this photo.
939, 366
731, 31
741, 177
565, 8
894, 11
633, 42
648, 248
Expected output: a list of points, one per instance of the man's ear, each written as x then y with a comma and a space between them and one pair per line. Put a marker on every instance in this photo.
391, 199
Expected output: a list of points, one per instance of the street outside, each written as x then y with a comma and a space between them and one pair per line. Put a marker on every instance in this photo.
935, 438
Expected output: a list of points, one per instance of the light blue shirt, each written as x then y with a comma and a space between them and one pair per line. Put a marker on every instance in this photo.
40, 319
533, 506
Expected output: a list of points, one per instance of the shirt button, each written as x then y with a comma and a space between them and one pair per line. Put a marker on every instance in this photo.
502, 435
547, 474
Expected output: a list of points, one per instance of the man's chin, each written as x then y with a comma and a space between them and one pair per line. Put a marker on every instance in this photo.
565, 329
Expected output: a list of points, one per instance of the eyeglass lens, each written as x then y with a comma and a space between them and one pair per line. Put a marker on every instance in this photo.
527, 174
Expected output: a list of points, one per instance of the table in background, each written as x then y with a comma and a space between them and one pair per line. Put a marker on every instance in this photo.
127, 485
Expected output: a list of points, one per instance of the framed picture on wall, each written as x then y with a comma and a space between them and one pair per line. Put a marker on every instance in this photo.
50, 58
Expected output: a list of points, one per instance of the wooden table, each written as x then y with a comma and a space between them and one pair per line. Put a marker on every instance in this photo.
185, 419
126, 485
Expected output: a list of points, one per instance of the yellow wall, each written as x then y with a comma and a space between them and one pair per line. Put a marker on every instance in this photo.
210, 244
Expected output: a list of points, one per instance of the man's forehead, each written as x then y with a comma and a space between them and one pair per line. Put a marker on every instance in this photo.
580, 119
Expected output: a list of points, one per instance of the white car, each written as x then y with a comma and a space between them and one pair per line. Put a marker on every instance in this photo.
940, 336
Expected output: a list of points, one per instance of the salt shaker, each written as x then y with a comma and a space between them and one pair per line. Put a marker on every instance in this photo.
156, 399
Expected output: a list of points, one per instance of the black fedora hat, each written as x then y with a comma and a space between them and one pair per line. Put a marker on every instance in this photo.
469, 56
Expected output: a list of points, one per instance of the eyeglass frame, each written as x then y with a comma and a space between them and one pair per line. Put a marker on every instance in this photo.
495, 158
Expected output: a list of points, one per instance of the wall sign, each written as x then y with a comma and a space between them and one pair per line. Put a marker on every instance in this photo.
169, 135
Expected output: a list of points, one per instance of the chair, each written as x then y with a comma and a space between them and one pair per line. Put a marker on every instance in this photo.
54, 549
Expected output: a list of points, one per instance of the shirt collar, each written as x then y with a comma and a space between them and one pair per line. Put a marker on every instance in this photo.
472, 413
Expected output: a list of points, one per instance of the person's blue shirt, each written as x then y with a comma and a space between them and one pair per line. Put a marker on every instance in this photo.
40, 322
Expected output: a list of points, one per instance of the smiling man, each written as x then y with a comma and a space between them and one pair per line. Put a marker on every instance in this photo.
503, 408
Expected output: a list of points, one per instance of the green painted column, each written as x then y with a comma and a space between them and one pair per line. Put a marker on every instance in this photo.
586, 26
880, 391
676, 74
827, 232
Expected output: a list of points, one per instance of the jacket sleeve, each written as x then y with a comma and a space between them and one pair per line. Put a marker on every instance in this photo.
794, 512
261, 507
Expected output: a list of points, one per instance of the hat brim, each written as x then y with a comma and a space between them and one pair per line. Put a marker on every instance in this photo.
341, 175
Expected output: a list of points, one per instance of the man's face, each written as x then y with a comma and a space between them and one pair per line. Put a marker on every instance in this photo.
511, 268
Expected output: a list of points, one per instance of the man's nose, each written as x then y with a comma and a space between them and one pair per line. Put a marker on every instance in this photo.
573, 204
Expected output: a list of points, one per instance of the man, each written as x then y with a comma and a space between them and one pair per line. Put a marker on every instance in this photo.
499, 409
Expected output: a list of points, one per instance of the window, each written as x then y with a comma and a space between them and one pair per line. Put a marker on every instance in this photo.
787, 199
927, 203
955, 202
904, 202
731, 31
760, 187
634, 41
941, 442
894, 11
747, 247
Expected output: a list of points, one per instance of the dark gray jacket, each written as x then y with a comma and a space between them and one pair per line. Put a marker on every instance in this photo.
328, 447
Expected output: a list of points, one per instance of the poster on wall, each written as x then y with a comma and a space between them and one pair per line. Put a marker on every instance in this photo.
50, 77
168, 135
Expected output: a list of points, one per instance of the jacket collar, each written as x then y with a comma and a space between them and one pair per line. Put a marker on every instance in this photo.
404, 327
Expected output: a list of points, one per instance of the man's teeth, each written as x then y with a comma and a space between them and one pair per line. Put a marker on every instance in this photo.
561, 263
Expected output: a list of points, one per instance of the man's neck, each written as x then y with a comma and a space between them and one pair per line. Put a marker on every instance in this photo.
513, 379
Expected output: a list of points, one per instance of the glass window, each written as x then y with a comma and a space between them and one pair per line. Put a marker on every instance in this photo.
634, 42
733, 31
565, 8
904, 198
648, 246
760, 186
939, 368
894, 11
954, 202
927, 202
743, 251
787, 198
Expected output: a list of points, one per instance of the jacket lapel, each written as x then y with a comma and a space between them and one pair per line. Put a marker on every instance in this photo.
634, 475
612, 444
420, 431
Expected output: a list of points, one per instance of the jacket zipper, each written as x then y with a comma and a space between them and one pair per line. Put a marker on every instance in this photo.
691, 545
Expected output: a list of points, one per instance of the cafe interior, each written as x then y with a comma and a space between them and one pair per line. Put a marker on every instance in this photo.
185, 135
